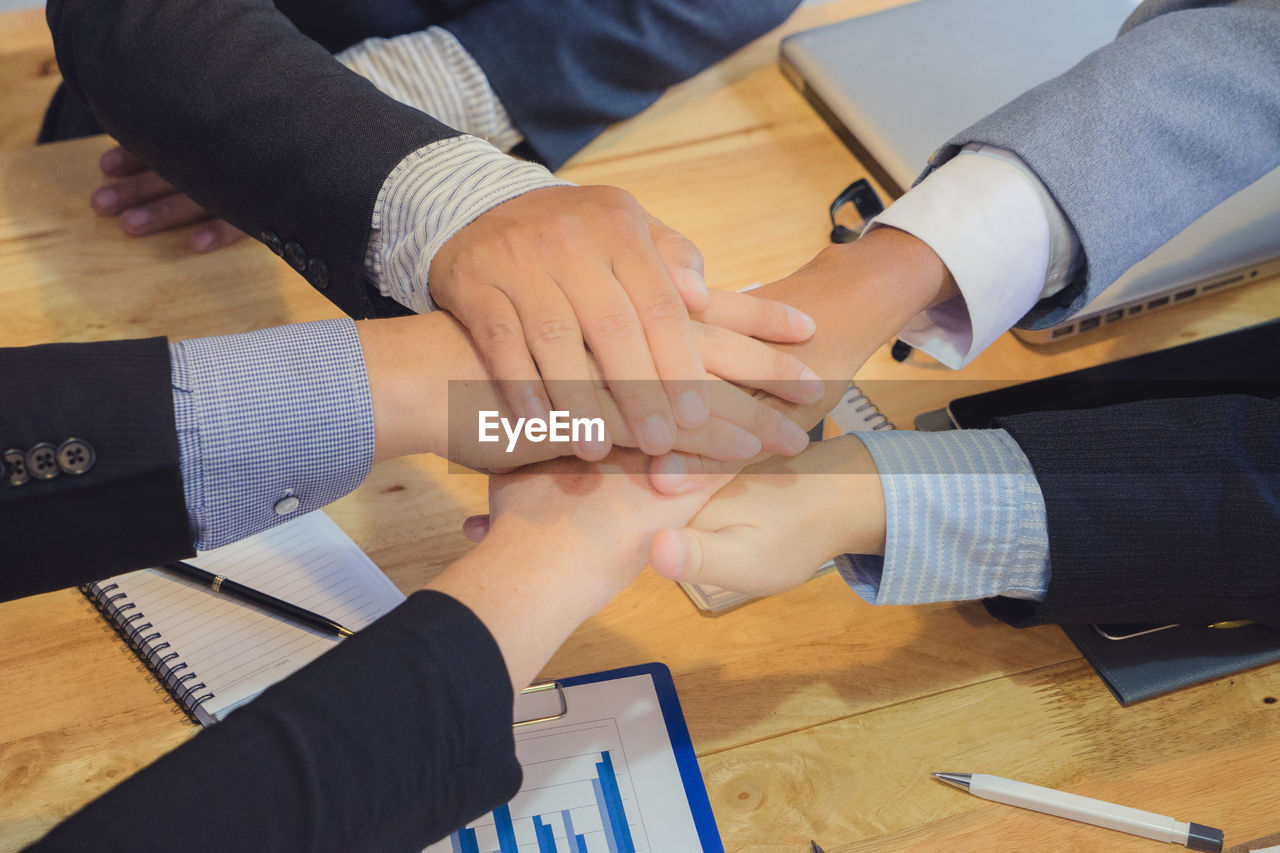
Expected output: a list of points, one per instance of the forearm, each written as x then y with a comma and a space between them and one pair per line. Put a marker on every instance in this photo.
861, 294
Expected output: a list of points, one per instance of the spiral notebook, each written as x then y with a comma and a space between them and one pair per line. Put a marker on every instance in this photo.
854, 413
213, 654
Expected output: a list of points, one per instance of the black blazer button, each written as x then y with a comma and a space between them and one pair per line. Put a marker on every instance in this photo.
76, 456
295, 255
42, 461
318, 273
273, 242
16, 464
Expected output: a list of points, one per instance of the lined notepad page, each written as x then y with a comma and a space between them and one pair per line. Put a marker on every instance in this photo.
238, 650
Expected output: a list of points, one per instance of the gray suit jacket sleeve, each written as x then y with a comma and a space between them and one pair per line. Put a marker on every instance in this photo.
1147, 133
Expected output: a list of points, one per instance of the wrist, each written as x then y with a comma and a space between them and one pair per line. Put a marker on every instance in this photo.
859, 495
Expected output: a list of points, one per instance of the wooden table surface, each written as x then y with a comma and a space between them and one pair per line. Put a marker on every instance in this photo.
813, 715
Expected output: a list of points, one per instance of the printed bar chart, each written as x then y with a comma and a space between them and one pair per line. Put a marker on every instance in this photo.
604, 817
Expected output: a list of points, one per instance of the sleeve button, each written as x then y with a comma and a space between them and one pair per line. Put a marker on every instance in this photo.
295, 255
273, 242
76, 456
318, 273
287, 504
42, 461
16, 462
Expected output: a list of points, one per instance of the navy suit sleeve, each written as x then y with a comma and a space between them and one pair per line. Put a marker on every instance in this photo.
1158, 511
258, 123
385, 744
126, 511
567, 69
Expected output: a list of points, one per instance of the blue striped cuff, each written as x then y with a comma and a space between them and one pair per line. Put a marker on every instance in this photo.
271, 425
965, 519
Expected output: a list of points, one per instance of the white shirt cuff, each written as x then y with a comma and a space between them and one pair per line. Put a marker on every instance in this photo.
1005, 241
429, 197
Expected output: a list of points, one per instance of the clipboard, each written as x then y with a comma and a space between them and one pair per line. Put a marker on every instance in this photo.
602, 754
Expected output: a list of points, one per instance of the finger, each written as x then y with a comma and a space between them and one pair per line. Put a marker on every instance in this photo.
613, 329
161, 214
667, 330
757, 317
777, 433
476, 527
132, 191
216, 235
720, 440
681, 473
495, 327
683, 261
554, 338
119, 163
721, 558
746, 361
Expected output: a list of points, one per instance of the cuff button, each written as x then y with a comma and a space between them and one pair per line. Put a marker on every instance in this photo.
76, 456
42, 461
15, 462
295, 255
286, 505
318, 274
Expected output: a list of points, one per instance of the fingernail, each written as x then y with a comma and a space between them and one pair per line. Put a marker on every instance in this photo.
104, 199
136, 219
110, 161
801, 322
681, 552
670, 470
656, 434
592, 449
691, 408
794, 439
811, 386
533, 406
202, 241
747, 445
694, 279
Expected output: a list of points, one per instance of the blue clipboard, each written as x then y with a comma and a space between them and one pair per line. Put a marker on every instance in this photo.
690, 774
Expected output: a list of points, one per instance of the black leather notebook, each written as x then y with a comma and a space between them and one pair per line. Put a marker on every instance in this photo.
1149, 664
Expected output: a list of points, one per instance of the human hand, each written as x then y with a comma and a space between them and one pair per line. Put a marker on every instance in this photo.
778, 521
428, 384
145, 203
567, 536
540, 278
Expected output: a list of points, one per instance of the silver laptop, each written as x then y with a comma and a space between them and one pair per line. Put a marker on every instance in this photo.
896, 84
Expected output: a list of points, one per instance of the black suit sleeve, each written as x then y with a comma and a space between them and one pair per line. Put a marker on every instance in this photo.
127, 510
387, 743
255, 121
1158, 511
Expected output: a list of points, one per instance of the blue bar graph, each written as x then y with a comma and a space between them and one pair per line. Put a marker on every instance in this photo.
606, 816
613, 801
544, 835
464, 841
506, 832
608, 803
577, 843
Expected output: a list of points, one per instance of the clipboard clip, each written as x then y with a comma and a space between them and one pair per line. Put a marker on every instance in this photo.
540, 702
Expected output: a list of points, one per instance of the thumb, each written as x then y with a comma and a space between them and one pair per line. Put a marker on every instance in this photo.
698, 556
683, 261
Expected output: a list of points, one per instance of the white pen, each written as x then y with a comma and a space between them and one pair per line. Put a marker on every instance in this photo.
1086, 810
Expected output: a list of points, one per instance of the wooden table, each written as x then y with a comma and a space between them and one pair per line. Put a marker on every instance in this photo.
813, 714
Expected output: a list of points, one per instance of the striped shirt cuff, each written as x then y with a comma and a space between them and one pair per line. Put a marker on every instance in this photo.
431, 71
965, 519
271, 425
429, 197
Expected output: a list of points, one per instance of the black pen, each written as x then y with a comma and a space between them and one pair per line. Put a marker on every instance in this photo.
230, 588
813, 847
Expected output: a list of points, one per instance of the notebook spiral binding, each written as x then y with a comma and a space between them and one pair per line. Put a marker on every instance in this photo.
856, 413
178, 680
